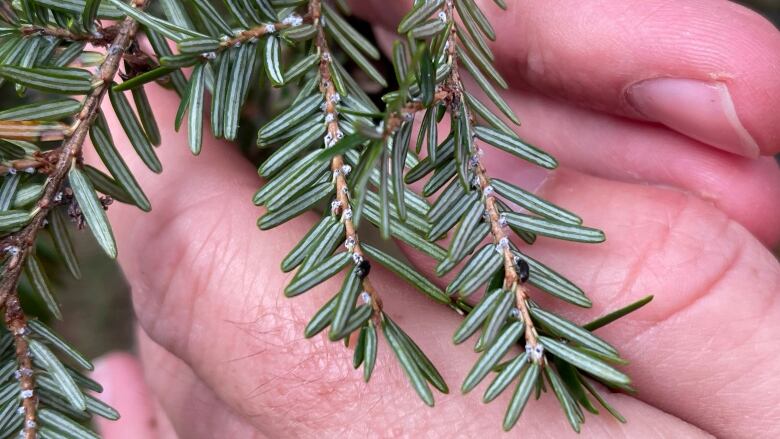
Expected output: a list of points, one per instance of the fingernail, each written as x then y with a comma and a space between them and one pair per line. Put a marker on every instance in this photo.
701, 110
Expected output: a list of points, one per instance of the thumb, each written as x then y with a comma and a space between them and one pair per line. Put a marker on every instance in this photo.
125, 389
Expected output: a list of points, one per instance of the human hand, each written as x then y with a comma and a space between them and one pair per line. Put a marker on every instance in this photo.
223, 351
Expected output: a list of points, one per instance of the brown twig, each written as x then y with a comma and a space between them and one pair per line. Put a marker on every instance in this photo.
511, 278
102, 37
328, 91
21, 244
392, 123
134, 56
264, 29
66, 155
16, 322
394, 120
40, 161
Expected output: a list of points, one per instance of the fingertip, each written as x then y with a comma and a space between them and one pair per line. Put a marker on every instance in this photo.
623, 150
702, 110
125, 389
754, 83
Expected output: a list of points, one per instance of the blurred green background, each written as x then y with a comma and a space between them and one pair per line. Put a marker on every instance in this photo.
98, 315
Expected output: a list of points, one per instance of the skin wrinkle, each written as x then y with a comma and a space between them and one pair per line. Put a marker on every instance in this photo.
640, 263
158, 232
692, 300
723, 383
222, 252
255, 327
771, 302
316, 358
721, 422
251, 277
195, 391
656, 250
201, 281
663, 242
709, 286
651, 13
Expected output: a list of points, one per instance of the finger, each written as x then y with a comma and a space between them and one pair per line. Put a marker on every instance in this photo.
124, 388
192, 407
624, 150
620, 149
701, 67
710, 334
208, 290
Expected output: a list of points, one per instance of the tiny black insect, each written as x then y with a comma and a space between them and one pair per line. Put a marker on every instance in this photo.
363, 268
523, 270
